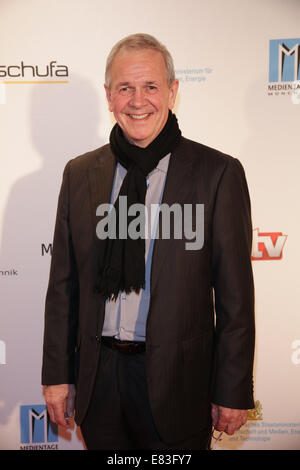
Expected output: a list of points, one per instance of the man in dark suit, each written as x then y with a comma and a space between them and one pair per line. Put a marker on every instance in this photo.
154, 341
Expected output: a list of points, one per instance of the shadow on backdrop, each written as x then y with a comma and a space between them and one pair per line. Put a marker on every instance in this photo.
64, 123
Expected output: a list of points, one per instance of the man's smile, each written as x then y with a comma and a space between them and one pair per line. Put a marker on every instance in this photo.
139, 116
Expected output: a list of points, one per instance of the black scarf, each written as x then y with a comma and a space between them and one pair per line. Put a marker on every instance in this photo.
122, 267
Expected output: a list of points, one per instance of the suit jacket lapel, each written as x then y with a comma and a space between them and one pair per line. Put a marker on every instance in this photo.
101, 176
177, 190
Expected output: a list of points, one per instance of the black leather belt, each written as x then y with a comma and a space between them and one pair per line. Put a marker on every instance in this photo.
125, 347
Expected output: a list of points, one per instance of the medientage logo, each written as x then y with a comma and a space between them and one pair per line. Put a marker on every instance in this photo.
284, 60
161, 221
284, 68
37, 431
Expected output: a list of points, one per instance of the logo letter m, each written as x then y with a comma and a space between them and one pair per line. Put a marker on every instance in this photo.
284, 51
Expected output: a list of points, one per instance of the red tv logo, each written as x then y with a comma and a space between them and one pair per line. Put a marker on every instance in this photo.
267, 245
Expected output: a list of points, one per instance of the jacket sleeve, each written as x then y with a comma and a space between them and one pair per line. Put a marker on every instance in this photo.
233, 290
61, 306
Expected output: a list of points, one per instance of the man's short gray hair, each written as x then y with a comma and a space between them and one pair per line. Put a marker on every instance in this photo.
140, 41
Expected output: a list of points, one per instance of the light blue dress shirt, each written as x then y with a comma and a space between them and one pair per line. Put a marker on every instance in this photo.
126, 317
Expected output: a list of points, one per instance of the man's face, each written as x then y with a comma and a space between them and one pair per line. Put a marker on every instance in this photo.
139, 95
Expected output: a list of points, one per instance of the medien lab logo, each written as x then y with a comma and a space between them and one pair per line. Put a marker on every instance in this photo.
37, 431
284, 68
267, 245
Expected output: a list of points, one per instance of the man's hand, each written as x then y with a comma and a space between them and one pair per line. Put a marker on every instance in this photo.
227, 419
60, 401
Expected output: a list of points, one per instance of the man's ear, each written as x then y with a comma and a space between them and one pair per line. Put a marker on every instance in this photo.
108, 97
173, 93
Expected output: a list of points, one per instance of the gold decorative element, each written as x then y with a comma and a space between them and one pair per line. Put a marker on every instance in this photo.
256, 413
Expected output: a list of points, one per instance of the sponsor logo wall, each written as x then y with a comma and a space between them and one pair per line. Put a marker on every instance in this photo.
239, 93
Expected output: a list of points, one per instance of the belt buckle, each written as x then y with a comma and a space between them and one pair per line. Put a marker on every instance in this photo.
130, 348
126, 348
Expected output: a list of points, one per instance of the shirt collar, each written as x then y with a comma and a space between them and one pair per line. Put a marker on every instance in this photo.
162, 164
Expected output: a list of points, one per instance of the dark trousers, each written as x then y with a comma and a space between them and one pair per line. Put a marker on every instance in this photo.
119, 416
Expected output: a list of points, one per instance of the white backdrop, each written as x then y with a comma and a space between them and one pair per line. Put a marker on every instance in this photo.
227, 100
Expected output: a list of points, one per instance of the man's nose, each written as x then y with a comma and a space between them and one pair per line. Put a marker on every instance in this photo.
138, 97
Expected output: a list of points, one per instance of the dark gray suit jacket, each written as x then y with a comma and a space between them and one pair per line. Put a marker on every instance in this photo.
200, 326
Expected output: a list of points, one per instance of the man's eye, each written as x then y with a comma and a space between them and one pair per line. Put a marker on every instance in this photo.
125, 90
152, 88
